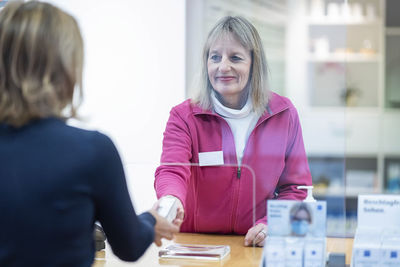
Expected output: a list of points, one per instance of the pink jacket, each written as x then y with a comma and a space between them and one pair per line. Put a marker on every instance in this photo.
219, 199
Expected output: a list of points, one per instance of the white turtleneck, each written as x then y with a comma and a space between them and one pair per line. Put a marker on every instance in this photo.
241, 122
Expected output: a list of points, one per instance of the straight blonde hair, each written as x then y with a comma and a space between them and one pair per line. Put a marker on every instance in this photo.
41, 61
248, 36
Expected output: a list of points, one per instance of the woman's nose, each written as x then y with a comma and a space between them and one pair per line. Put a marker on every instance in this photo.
224, 65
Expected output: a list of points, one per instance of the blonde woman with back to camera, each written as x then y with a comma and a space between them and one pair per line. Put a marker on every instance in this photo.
240, 124
57, 180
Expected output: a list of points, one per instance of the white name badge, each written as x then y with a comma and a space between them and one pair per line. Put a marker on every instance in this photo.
213, 158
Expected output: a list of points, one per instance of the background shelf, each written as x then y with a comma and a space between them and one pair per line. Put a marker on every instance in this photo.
334, 22
347, 58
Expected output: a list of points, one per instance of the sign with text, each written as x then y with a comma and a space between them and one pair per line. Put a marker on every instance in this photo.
381, 211
296, 218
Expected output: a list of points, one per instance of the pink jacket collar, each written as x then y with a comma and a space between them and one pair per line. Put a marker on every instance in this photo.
276, 105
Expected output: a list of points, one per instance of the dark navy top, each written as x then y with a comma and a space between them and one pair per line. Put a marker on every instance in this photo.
55, 182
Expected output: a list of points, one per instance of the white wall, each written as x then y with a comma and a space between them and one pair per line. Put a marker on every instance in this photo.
134, 73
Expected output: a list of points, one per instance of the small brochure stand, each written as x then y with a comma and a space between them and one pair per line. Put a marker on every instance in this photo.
296, 234
197, 252
377, 239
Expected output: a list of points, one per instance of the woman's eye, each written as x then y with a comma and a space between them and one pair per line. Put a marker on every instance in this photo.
215, 58
236, 58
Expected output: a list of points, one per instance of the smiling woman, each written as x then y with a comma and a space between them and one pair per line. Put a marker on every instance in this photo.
228, 67
236, 117
237, 35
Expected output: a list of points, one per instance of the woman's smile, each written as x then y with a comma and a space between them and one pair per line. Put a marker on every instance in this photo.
225, 78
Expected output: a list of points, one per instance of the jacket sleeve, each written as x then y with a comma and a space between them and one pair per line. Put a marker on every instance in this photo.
171, 177
128, 234
296, 171
263, 220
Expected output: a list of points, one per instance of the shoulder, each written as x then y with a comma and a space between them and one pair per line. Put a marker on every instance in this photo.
278, 103
82, 142
73, 133
187, 109
93, 138
95, 148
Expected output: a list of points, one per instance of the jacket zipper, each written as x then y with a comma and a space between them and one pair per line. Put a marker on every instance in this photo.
236, 183
238, 175
239, 171
235, 203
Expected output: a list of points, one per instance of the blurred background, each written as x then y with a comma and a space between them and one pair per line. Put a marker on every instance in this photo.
338, 61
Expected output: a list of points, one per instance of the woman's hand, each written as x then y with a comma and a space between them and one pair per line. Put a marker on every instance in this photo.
180, 213
256, 235
163, 228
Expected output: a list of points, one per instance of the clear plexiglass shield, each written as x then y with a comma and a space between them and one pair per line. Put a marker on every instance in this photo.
221, 205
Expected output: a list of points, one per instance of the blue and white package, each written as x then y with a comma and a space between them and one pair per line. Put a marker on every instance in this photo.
298, 229
296, 218
377, 239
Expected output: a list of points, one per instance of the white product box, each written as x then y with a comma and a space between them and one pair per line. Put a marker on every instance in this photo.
314, 253
274, 252
168, 208
294, 252
390, 252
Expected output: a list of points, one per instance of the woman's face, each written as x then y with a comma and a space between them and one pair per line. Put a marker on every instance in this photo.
300, 223
302, 215
229, 66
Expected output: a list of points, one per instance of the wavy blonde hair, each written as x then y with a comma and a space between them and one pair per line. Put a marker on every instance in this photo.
41, 61
248, 36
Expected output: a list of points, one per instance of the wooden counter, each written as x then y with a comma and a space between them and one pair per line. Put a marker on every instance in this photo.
240, 256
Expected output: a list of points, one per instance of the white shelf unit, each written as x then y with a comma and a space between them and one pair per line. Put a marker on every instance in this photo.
359, 139
395, 31
328, 21
344, 57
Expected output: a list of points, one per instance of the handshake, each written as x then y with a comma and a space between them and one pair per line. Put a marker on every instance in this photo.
168, 212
